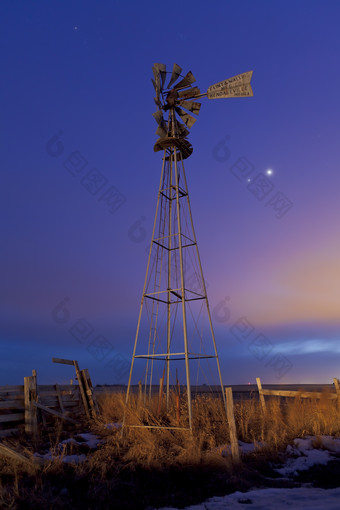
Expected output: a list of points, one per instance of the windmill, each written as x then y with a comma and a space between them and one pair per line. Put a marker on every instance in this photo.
174, 323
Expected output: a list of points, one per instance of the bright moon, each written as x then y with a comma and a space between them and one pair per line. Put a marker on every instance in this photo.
269, 172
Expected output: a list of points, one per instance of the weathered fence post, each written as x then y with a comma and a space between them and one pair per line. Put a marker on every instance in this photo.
81, 383
178, 396
160, 395
87, 383
140, 393
232, 426
30, 395
81, 388
259, 385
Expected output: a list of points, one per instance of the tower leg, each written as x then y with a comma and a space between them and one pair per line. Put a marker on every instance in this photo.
187, 368
142, 302
205, 294
169, 294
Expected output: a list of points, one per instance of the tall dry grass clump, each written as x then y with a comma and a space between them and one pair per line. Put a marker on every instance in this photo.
285, 419
159, 448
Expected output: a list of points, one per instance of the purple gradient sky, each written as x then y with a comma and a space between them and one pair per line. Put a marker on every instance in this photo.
85, 69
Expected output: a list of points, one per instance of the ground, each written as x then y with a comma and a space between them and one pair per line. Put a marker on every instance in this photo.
290, 456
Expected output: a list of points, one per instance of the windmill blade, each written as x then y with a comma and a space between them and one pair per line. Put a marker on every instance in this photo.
186, 82
157, 81
192, 106
176, 71
237, 86
154, 84
188, 119
181, 129
155, 71
162, 129
157, 87
156, 99
185, 94
161, 69
161, 132
158, 116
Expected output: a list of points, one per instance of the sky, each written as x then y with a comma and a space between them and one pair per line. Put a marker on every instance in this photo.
76, 97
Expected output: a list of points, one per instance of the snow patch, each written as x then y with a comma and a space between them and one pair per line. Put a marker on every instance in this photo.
90, 440
303, 454
245, 448
274, 499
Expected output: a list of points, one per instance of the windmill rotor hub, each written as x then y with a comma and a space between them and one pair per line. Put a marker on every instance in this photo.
171, 99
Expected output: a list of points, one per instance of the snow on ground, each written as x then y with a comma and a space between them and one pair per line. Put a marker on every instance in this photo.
302, 455
309, 451
89, 440
274, 499
245, 448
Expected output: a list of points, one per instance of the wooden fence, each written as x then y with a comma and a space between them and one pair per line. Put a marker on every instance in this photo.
297, 394
24, 407
12, 409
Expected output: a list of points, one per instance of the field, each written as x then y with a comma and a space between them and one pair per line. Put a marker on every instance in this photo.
147, 468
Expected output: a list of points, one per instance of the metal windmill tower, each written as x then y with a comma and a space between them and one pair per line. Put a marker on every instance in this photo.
174, 323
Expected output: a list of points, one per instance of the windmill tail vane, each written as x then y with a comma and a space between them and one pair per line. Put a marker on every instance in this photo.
179, 101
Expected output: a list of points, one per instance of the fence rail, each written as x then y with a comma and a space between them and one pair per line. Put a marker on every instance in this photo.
297, 394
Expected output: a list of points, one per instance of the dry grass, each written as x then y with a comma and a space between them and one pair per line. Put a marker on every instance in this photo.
283, 420
153, 467
154, 448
